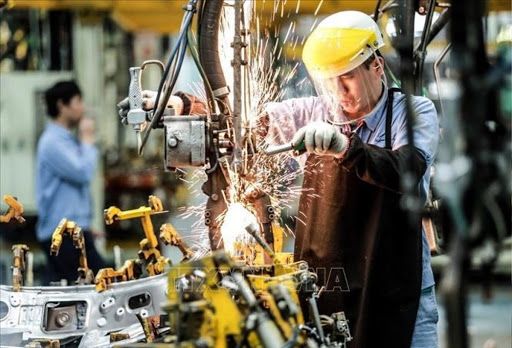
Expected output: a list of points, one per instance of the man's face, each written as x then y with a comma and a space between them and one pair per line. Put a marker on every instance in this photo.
358, 90
74, 111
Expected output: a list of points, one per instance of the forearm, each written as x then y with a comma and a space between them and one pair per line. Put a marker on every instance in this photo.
383, 167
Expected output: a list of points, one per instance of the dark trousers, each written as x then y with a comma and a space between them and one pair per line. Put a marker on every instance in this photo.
65, 264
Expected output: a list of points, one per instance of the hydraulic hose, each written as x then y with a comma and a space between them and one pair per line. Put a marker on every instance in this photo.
209, 51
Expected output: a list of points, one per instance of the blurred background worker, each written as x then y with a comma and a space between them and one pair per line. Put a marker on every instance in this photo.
64, 170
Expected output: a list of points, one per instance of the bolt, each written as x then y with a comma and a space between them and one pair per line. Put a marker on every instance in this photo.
173, 142
207, 221
207, 213
214, 196
62, 319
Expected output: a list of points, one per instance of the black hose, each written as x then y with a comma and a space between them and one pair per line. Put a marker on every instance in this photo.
376, 12
179, 48
209, 49
439, 24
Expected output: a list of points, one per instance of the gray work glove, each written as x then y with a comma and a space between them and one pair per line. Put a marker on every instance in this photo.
148, 103
321, 138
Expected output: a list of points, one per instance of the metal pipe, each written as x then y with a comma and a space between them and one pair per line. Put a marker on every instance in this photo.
437, 77
237, 89
439, 24
421, 50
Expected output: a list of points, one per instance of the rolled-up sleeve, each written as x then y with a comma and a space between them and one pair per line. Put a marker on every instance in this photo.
286, 117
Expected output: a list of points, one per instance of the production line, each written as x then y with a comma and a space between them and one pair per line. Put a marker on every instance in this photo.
246, 291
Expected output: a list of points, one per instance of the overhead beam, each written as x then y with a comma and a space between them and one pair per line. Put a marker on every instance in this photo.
164, 16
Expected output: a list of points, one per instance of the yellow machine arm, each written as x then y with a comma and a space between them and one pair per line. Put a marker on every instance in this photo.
155, 206
70, 228
268, 304
170, 236
148, 253
15, 210
132, 269
18, 265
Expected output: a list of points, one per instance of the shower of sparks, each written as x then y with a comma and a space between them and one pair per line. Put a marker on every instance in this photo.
262, 83
235, 220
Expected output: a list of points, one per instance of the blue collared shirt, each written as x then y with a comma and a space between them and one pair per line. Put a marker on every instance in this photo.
289, 116
64, 169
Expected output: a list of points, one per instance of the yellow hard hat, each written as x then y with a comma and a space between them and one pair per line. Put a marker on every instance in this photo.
341, 43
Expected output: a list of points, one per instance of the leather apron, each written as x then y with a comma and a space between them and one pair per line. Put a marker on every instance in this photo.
360, 243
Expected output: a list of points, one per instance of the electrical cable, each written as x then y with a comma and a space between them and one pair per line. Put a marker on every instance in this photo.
376, 12
179, 46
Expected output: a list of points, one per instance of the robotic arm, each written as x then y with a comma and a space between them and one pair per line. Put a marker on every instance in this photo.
15, 210
71, 229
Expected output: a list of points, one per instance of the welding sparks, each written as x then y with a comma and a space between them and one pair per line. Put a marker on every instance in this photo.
233, 231
263, 81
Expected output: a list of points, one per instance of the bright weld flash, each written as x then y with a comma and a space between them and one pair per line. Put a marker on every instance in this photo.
233, 227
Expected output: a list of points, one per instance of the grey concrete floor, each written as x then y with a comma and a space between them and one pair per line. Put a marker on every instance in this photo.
487, 320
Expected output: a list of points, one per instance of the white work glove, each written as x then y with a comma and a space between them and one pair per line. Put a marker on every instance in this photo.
148, 103
321, 138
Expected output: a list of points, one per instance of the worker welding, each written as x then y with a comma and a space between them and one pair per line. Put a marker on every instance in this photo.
243, 174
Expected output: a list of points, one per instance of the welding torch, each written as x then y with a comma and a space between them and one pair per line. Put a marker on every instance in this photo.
298, 150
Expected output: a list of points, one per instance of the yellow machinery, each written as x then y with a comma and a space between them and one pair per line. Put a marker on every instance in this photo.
71, 229
18, 265
150, 255
132, 269
218, 303
14, 211
19, 250
170, 236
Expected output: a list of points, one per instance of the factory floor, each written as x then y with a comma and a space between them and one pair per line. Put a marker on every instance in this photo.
488, 321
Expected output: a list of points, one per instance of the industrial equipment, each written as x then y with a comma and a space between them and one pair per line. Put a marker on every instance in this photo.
14, 211
170, 236
71, 229
216, 302
131, 270
149, 252
79, 316
18, 265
